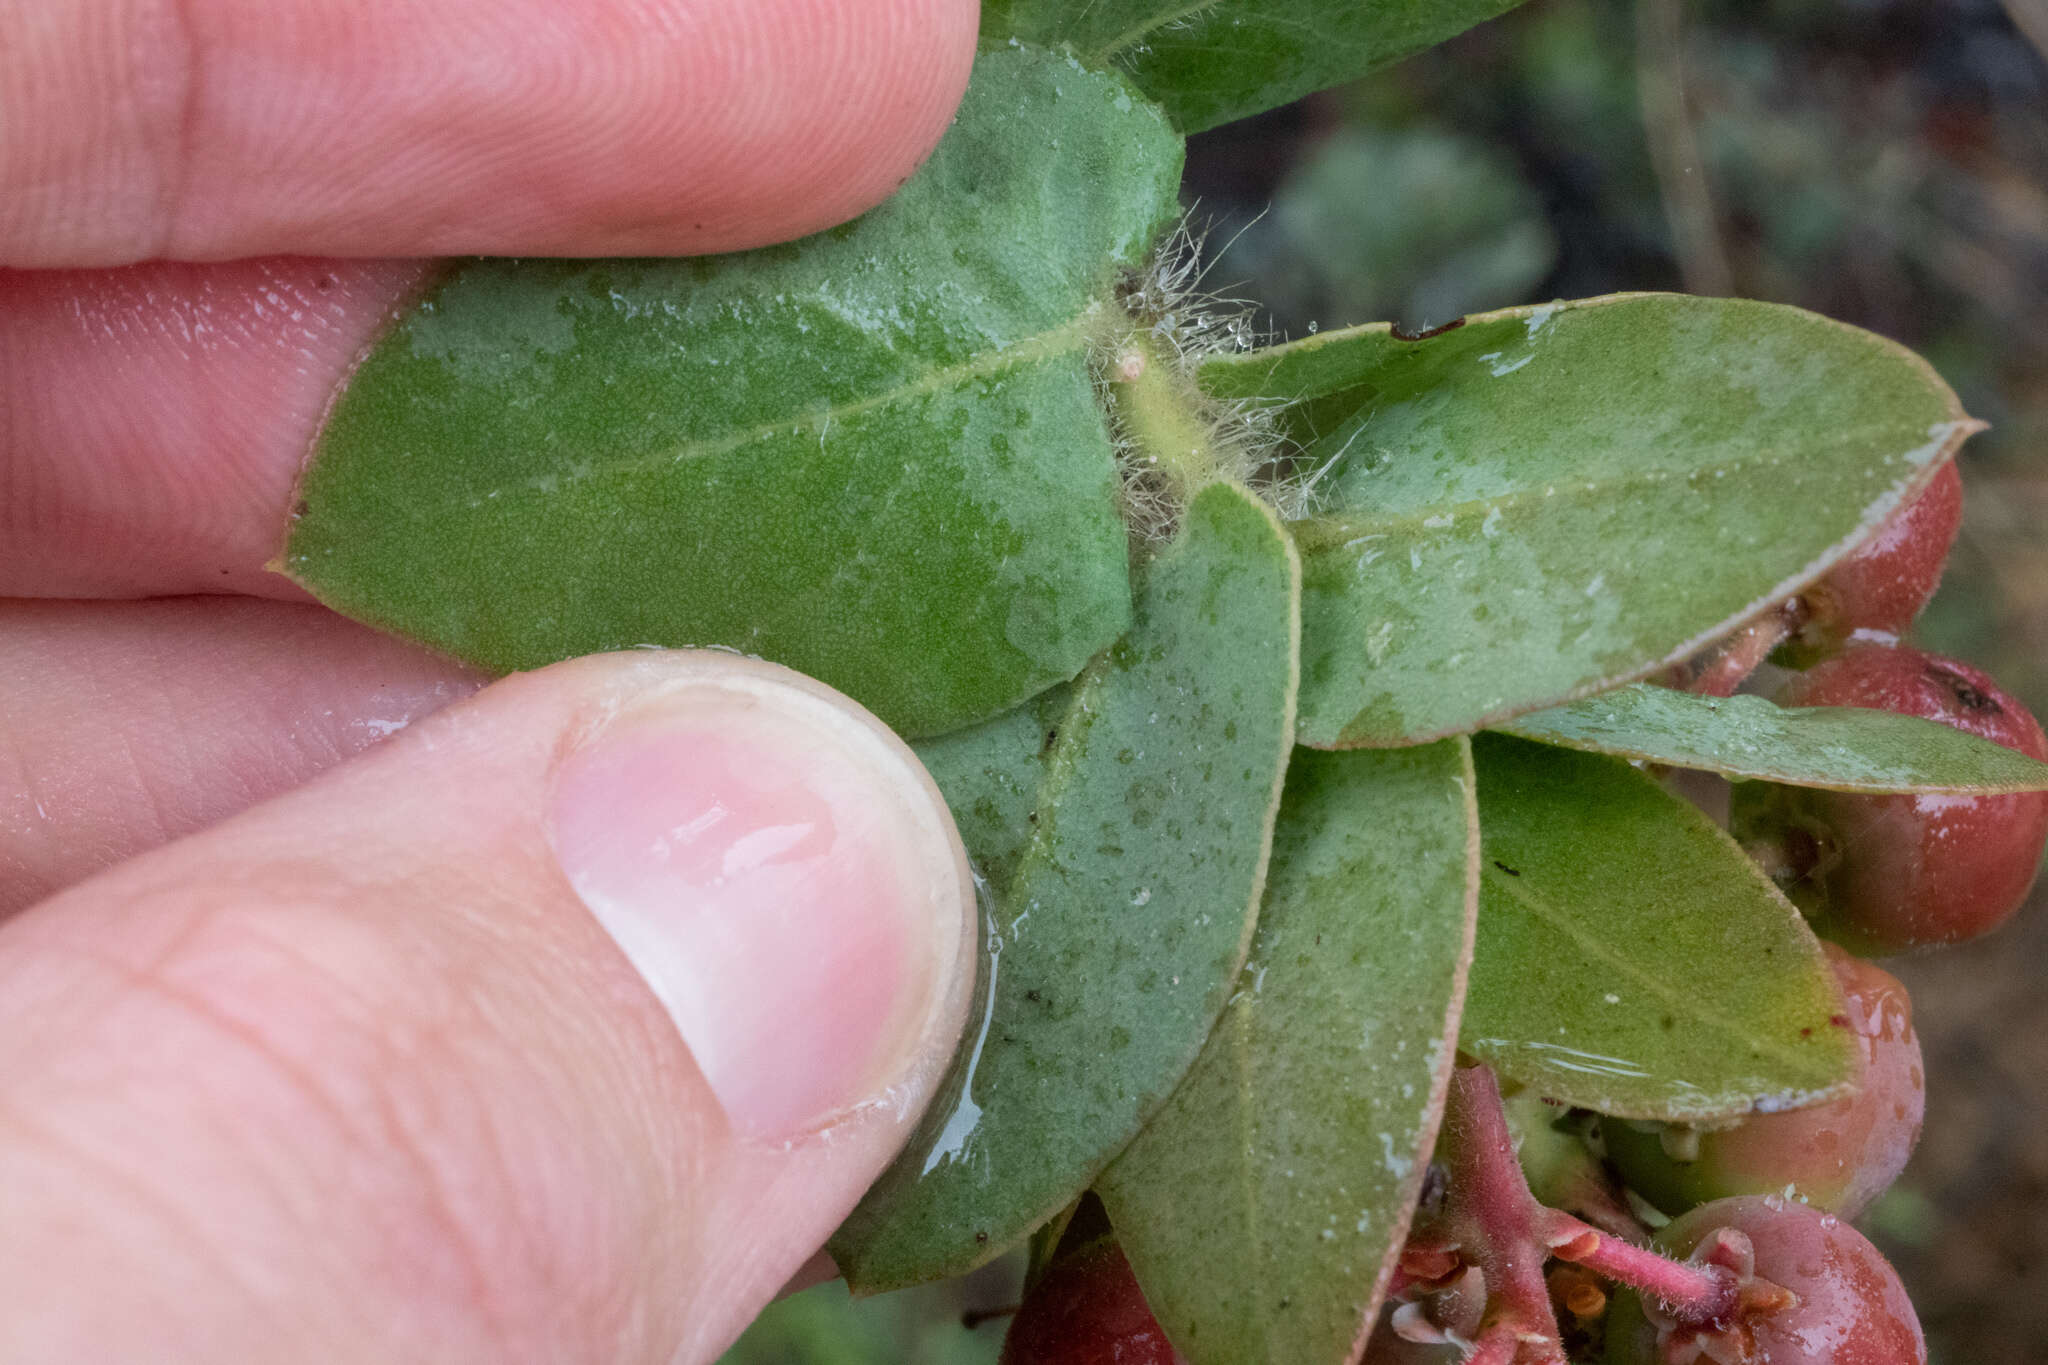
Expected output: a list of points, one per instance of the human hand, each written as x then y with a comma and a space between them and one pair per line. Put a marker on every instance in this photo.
379, 1067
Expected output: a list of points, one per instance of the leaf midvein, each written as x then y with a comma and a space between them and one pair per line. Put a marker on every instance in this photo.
1593, 948
1318, 533
1070, 337
1166, 19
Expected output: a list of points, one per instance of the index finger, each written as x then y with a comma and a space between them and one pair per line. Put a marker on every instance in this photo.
211, 129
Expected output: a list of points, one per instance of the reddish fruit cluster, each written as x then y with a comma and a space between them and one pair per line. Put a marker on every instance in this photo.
1883, 874
1875, 874
1762, 1281
1746, 1281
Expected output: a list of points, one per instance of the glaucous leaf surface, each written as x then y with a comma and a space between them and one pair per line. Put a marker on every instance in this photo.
1122, 926
1263, 1207
1549, 501
1842, 748
990, 775
874, 455
1630, 958
1218, 60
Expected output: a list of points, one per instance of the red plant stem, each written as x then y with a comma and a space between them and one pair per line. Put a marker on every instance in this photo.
1498, 1222
1497, 1346
1690, 1293
1491, 1221
1740, 655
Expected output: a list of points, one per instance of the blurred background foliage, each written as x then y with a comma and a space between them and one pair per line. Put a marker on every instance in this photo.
1881, 161
823, 1326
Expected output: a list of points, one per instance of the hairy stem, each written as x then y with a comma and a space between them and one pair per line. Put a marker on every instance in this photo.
1689, 1293
1162, 417
1497, 1347
1498, 1223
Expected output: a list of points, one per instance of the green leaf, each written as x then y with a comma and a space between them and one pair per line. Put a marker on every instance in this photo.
1262, 1210
1211, 61
1116, 941
990, 776
1547, 502
875, 455
1842, 748
1630, 958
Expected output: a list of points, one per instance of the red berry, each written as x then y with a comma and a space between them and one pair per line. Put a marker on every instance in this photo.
1883, 584
1088, 1310
1845, 1305
1881, 874
1837, 1156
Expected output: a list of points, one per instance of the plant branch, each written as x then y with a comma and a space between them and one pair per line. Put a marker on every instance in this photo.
1492, 1239
1161, 418
1729, 664
1690, 1293
1675, 151
1497, 1223
2031, 18
1498, 1347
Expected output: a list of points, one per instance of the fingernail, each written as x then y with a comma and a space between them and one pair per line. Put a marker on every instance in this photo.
780, 870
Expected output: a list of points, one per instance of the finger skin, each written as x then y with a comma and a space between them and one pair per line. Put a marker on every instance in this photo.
153, 419
356, 1076
130, 724
213, 129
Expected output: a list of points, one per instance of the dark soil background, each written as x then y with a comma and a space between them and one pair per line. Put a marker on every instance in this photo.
1882, 162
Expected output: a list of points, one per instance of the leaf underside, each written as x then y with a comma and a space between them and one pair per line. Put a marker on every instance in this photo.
1263, 1207
1547, 502
991, 774
1842, 748
1127, 913
1210, 61
1630, 958
875, 455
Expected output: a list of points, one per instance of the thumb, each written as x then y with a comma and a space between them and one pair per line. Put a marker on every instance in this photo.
564, 1026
